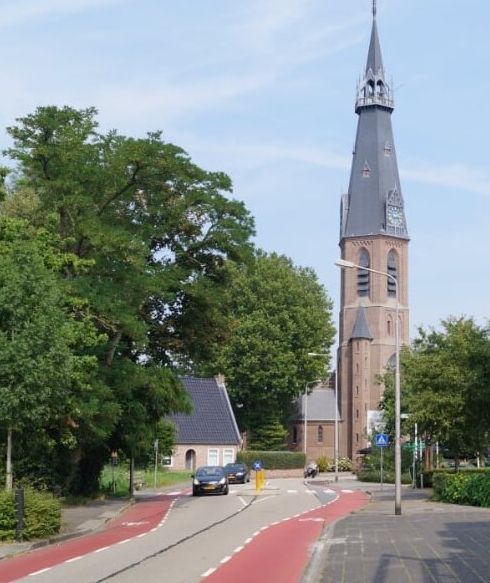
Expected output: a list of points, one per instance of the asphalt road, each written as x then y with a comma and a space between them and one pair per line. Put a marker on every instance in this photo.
187, 539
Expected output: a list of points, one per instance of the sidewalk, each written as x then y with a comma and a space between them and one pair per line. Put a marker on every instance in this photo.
76, 521
430, 542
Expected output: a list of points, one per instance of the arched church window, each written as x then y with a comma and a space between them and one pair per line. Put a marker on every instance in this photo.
320, 434
380, 88
362, 274
388, 326
392, 269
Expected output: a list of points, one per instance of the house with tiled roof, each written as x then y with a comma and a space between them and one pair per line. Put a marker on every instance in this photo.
209, 435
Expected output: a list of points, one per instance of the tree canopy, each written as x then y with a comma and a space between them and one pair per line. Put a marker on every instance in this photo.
140, 240
279, 313
445, 385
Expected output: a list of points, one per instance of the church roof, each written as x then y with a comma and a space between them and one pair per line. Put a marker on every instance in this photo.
361, 327
320, 405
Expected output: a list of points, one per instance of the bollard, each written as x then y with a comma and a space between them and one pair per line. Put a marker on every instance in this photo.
19, 513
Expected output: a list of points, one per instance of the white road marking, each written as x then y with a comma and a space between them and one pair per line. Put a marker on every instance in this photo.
225, 560
248, 540
347, 491
292, 491
208, 572
242, 500
328, 491
123, 542
72, 560
310, 520
237, 550
174, 493
40, 571
102, 549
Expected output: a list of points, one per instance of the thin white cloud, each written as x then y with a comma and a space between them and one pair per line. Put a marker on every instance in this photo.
458, 176
256, 155
18, 12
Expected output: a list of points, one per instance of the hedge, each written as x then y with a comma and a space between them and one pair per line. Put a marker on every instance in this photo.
42, 515
468, 487
273, 460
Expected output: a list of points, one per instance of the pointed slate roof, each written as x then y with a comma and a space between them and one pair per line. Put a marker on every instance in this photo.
374, 185
361, 326
212, 420
374, 60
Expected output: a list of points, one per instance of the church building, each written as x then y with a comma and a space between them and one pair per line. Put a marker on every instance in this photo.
373, 234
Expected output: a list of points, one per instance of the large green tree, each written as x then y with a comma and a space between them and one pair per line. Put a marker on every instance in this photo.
279, 312
446, 385
42, 365
149, 235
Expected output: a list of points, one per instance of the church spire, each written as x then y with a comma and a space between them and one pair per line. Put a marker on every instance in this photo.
374, 203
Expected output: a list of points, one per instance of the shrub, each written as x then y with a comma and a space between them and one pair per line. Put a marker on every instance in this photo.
7, 515
374, 475
345, 464
470, 487
42, 515
273, 460
324, 463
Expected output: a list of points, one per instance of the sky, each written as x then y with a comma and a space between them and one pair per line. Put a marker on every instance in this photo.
264, 90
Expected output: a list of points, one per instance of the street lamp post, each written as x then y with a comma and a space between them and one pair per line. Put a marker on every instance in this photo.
398, 457
305, 413
336, 426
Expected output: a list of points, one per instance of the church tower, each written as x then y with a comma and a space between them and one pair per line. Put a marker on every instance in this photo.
373, 233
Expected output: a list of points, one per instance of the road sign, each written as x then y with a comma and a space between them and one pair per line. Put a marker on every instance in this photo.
381, 439
257, 465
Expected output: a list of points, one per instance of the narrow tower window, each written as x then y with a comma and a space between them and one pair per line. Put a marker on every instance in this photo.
387, 149
363, 275
320, 434
366, 171
393, 271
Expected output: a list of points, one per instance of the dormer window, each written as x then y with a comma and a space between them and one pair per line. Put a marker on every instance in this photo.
366, 171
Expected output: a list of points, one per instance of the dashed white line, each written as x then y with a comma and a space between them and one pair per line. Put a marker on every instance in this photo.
101, 549
225, 560
73, 559
347, 491
208, 572
248, 540
123, 542
238, 549
40, 571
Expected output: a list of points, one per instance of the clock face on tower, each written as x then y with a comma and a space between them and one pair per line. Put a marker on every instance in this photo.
394, 216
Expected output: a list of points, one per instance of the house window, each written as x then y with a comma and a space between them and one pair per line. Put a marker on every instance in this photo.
213, 457
320, 434
363, 275
295, 434
228, 455
167, 461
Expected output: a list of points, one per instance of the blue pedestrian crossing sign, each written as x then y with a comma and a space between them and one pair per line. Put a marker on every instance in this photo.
257, 465
381, 439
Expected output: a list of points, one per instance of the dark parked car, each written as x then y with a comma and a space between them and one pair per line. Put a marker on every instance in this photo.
209, 480
237, 473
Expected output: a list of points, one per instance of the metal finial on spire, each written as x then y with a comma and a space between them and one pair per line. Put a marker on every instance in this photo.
374, 8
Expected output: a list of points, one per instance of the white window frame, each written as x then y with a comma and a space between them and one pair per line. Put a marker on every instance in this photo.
167, 461
228, 455
213, 456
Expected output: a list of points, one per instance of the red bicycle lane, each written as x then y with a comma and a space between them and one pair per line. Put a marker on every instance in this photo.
139, 518
281, 552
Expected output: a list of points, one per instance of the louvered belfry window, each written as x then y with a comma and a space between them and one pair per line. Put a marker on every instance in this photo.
363, 275
393, 271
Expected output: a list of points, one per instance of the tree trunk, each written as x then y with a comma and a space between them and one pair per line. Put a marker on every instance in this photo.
8, 470
131, 476
112, 348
